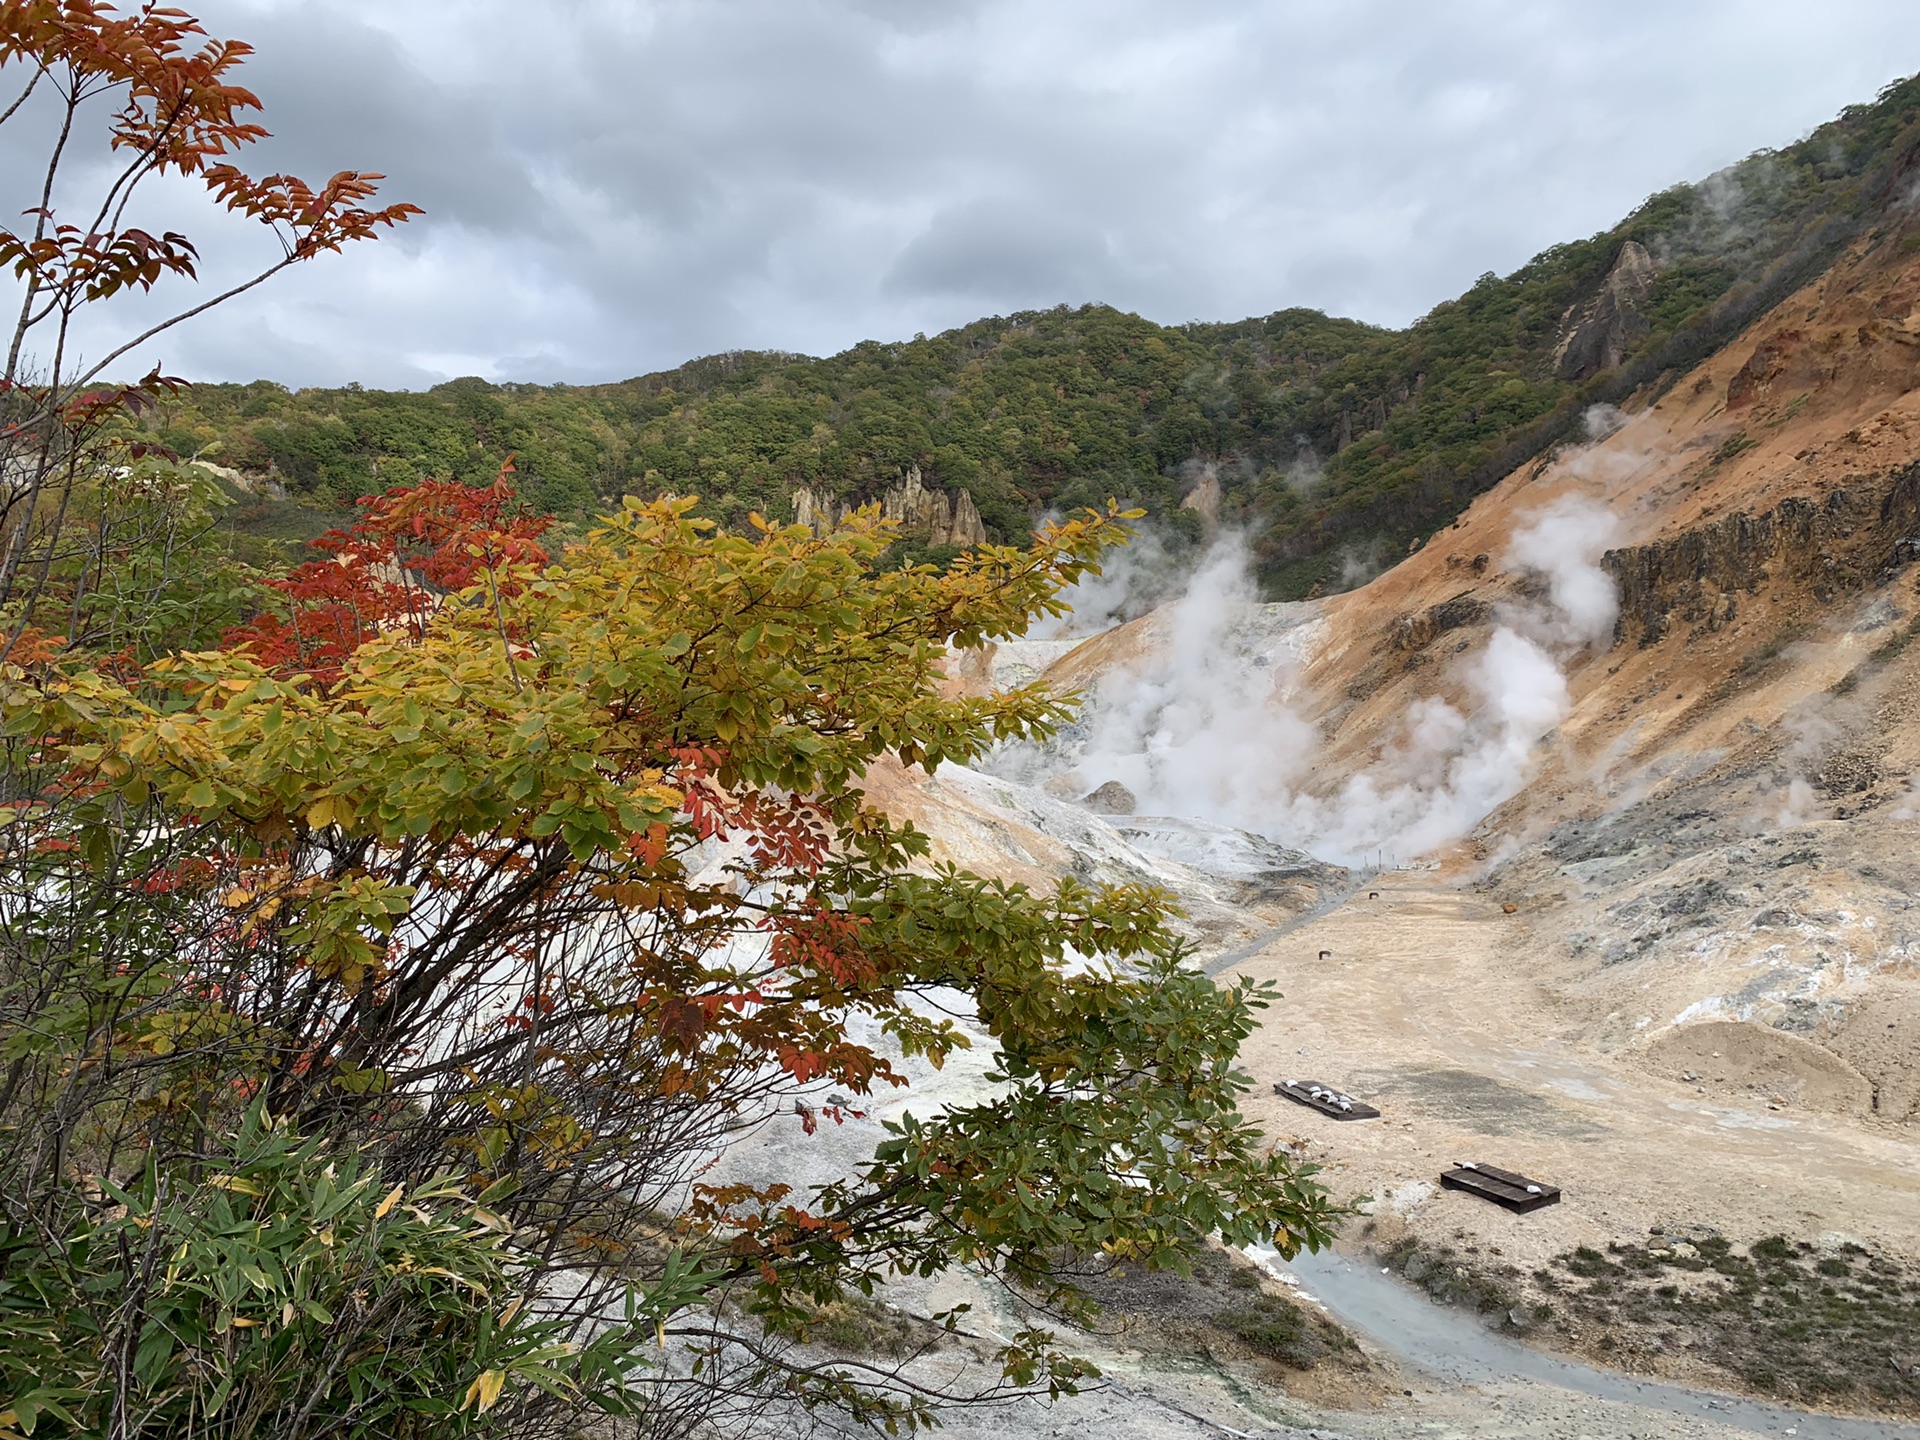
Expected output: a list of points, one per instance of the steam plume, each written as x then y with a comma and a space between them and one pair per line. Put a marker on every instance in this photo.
1200, 725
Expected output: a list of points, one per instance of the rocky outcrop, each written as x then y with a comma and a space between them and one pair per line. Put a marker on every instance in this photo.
1112, 798
919, 512
1843, 541
1423, 627
1204, 498
1758, 377
268, 485
967, 527
1597, 335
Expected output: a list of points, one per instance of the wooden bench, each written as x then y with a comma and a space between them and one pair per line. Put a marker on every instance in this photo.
1502, 1187
1325, 1099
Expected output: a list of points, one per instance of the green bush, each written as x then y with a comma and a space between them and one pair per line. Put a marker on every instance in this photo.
285, 1293
1276, 1329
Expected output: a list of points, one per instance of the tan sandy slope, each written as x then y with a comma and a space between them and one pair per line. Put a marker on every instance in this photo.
1676, 973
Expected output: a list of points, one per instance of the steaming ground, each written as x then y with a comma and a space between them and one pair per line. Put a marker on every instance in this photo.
1642, 733
1661, 948
1192, 709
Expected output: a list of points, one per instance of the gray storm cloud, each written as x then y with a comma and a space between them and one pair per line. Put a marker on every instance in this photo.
616, 187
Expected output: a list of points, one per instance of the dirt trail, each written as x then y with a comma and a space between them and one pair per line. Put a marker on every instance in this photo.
1220, 964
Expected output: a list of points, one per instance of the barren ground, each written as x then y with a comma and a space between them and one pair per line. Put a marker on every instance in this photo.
1674, 973
1427, 1007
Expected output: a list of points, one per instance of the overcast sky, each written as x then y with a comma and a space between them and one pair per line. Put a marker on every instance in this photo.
614, 186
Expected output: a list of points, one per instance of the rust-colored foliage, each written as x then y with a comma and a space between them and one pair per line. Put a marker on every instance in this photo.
180, 113
390, 570
171, 106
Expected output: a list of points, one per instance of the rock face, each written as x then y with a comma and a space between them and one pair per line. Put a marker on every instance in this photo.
1204, 498
918, 511
1112, 798
1843, 542
1423, 627
1596, 336
1770, 361
246, 484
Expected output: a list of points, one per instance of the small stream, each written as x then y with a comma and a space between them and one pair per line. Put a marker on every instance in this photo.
1459, 1348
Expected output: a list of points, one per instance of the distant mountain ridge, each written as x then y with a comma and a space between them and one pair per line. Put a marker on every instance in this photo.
1340, 444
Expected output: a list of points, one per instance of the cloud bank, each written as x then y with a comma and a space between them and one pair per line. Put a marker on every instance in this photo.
615, 186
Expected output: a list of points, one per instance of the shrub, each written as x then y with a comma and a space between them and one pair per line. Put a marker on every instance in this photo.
288, 1293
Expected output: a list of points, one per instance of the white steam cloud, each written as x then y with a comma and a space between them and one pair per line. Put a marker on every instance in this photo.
1131, 582
1562, 542
1361, 563
1197, 713
1306, 476
1200, 724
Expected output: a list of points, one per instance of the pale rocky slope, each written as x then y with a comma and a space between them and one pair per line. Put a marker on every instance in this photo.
1721, 828
1677, 971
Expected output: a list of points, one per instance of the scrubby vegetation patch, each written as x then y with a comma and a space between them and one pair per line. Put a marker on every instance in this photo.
1835, 1325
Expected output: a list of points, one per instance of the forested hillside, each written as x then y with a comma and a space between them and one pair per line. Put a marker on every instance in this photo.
1335, 439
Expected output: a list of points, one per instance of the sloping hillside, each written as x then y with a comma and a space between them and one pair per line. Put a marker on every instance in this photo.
1733, 760
1336, 442
1636, 740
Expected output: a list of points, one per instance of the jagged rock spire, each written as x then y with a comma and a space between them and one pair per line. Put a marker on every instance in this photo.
919, 511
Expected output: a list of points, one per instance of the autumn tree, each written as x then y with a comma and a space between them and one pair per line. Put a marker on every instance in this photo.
379, 984
556, 878
162, 98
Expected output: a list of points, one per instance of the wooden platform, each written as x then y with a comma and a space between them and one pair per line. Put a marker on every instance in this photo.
1502, 1187
1325, 1099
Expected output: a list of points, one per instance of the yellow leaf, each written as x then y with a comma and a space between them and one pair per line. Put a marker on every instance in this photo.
484, 1391
237, 897
474, 1286
320, 813
393, 1199
240, 1322
233, 1182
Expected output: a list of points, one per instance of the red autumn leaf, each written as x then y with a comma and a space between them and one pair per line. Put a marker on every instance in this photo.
682, 1020
390, 570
